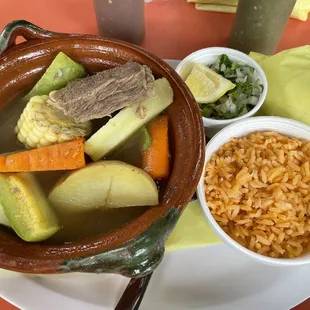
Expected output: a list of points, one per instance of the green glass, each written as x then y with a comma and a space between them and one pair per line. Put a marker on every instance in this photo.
259, 25
121, 19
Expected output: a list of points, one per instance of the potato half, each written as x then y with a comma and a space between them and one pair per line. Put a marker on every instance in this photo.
105, 184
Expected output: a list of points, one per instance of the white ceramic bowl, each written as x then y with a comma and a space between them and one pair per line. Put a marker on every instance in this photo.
238, 129
208, 56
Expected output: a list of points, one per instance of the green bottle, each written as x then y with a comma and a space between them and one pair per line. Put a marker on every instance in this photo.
259, 25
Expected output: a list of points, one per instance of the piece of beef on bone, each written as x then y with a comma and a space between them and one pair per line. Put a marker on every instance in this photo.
105, 92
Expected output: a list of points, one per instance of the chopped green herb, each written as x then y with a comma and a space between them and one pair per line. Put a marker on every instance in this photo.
242, 98
225, 60
206, 111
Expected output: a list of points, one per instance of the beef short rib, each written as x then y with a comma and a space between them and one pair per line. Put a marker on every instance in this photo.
105, 92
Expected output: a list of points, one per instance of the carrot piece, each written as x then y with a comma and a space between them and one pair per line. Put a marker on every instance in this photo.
155, 157
63, 156
2, 161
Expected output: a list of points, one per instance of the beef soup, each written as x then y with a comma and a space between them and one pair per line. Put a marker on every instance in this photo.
117, 118
143, 158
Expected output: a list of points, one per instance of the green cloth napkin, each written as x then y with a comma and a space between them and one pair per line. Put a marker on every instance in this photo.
192, 230
288, 76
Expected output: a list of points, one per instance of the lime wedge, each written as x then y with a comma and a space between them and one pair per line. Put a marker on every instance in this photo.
206, 85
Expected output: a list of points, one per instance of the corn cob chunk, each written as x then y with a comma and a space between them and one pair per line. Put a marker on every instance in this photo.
41, 125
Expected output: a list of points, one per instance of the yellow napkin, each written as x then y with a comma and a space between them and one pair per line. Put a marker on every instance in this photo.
219, 2
288, 76
300, 11
216, 8
192, 230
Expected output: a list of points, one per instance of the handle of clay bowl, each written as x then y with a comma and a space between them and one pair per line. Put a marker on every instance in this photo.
136, 258
133, 294
25, 29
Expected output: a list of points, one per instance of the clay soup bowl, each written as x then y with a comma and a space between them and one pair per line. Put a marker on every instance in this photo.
119, 251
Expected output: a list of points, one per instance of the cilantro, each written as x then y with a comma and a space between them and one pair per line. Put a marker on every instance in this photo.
206, 111
225, 60
236, 102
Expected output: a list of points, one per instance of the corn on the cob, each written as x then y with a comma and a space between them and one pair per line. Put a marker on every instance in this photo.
42, 125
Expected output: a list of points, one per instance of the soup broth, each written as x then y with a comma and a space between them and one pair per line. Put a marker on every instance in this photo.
99, 152
76, 226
